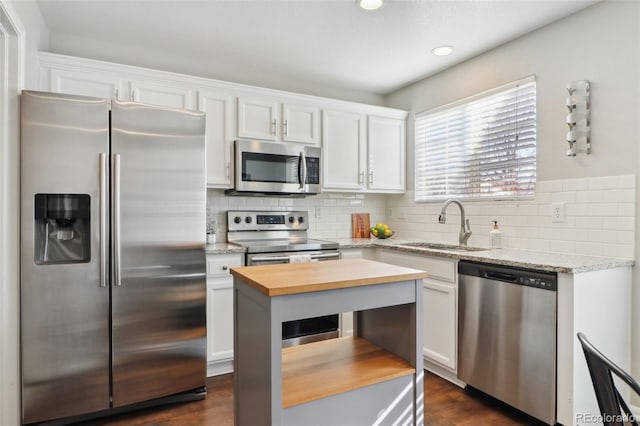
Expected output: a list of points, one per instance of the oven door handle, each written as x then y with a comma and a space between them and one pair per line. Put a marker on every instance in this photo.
286, 258
325, 256
268, 258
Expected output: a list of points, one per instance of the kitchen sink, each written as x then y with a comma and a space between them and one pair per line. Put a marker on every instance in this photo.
438, 246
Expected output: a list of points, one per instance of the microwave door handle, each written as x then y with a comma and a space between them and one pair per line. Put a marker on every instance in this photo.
302, 170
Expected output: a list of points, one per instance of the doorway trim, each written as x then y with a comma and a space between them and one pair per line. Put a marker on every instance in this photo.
12, 55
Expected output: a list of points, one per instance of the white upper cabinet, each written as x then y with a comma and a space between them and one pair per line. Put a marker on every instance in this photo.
218, 109
163, 94
386, 149
363, 146
85, 83
359, 159
257, 118
343, 151
108, 85
301, 123
268, 119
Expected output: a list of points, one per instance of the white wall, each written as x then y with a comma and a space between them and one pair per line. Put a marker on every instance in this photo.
600, 44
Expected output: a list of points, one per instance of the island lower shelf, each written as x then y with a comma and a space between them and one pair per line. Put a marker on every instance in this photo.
322, 369
372, 378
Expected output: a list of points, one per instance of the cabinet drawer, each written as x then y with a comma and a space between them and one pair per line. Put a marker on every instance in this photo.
441, 269
437, 268
218, 265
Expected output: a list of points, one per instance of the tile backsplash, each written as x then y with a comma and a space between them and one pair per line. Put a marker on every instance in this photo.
329, 213
599, 216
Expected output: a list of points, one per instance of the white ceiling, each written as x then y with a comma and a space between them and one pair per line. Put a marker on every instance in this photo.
329, 43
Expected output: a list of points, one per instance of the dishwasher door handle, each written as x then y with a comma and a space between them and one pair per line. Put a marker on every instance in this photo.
500, 276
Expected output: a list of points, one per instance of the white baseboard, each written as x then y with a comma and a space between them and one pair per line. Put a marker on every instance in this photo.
218, 368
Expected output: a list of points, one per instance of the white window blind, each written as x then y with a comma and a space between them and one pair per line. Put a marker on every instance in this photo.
479, 148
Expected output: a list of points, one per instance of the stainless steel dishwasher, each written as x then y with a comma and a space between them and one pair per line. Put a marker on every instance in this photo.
507, 335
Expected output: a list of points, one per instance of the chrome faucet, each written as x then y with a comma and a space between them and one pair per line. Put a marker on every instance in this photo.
465, 233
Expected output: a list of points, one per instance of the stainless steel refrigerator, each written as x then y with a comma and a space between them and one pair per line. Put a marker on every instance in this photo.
113, 286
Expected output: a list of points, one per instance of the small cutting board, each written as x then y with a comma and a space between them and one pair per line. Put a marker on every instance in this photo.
360, 225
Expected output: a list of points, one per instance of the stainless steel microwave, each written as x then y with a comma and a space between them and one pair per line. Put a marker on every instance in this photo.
275, 168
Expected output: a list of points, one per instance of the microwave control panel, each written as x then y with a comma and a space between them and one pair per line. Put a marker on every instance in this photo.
313, 170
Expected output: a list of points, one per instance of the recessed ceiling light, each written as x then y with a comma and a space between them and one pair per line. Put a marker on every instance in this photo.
370, 4
442, 50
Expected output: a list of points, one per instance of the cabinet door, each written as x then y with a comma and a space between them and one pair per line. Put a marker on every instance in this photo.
85, 83
300, 123
217, 106
440, 323
257, 118
219, 319
162, 94
386, 148
343, 151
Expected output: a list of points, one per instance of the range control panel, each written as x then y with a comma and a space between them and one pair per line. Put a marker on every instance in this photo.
242, 220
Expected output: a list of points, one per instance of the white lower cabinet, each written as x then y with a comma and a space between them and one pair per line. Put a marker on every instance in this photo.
220, 312
439, 322
358, 253
440, 312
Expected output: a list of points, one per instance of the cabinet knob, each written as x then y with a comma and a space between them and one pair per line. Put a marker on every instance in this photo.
284, 127
371, 178
225, 267
273, 127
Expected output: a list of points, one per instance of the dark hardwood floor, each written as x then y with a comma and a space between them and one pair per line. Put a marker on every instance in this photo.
445, 405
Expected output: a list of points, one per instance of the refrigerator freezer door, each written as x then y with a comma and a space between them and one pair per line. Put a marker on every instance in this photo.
64, 308
159, 213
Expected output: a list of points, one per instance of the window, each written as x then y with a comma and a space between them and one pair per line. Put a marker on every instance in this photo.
483, 147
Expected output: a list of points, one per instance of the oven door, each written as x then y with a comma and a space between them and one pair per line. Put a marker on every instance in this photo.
282, 168
291, 257
306, 330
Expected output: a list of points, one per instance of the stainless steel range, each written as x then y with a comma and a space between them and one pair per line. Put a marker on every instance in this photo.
272, 237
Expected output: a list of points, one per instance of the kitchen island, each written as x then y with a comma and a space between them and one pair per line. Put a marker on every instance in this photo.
373, 377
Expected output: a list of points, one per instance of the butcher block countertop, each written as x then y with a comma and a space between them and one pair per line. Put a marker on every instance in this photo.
293, 278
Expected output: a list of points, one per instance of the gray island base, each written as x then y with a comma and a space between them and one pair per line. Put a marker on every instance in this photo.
372, 378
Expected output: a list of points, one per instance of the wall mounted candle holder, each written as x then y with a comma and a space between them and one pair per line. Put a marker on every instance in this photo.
579, 118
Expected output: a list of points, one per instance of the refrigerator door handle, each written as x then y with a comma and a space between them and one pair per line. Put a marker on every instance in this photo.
116, 220
104, 217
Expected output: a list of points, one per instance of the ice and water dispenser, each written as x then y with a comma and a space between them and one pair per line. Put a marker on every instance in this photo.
62, 228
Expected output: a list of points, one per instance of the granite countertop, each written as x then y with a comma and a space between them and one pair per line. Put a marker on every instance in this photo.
544, 261
223, 248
